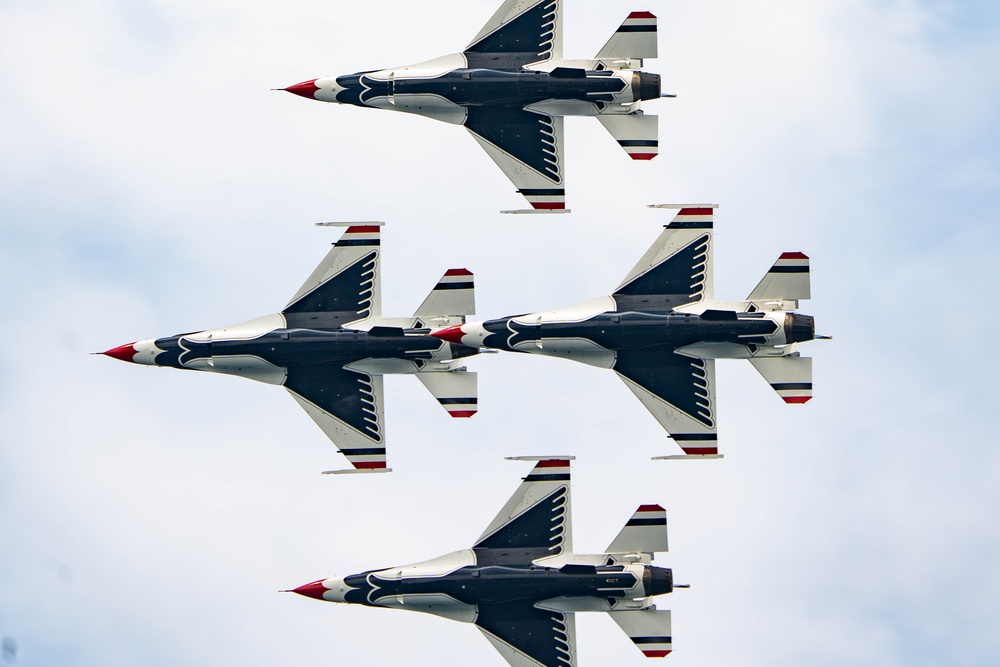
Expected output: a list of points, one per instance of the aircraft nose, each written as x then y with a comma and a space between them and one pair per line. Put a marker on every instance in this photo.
125, 352
452, 334
305, 89
313, 590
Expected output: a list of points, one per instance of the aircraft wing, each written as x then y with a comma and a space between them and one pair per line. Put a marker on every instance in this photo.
535, 521
345, 287
677, 267
679, 391
529, 637
520, 32
528, 148
347, 405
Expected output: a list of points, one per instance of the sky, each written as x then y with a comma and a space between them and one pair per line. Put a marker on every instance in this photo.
151, 182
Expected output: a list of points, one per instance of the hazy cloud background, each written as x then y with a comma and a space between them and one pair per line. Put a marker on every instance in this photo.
151, 183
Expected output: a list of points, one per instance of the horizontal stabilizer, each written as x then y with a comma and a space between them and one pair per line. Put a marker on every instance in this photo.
790, 376
649, 630
637, 133
456, 391
645, 532
787, 280
453, 296
635, 38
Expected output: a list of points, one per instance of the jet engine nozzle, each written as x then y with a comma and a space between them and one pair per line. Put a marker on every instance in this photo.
658, 580
799, 328
649, 86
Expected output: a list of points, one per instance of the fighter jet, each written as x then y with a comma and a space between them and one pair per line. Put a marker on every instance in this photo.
511, 87
662, 330
521, 583
330, 346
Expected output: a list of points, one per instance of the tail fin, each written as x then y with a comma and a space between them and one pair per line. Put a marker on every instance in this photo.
451, 300
790, 376
787, 280
345, 287
455, 390
637, 133
635, 38
645, 532
649, 630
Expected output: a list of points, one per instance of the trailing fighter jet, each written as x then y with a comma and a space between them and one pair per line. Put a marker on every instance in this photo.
662, 330
511, 88
330, 347
521, 583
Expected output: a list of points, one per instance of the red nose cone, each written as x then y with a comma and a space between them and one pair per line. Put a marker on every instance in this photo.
305, 89
123, 352
451, 334
313, 590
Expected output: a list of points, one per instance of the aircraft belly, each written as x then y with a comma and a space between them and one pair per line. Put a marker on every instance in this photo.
432, 603
246, 366
577, 349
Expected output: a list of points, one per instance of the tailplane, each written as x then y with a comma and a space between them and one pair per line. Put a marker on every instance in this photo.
634, 39
790, 376
644, 533
787, 280
453, 297
649, 630
637, 133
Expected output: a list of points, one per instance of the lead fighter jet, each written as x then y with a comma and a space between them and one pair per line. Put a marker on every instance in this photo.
521, 583
511, 88
662, 330
330, 347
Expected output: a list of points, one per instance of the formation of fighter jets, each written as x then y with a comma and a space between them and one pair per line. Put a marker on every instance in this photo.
660, 330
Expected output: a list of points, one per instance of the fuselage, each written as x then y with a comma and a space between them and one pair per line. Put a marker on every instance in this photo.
263, 348
593, 330
454, 585
450, 82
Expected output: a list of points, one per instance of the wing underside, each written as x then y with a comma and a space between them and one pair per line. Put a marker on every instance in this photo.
348, 406
345, 287
678, 391
535, 522
677, 268
519, 33
527, 146
529, 637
